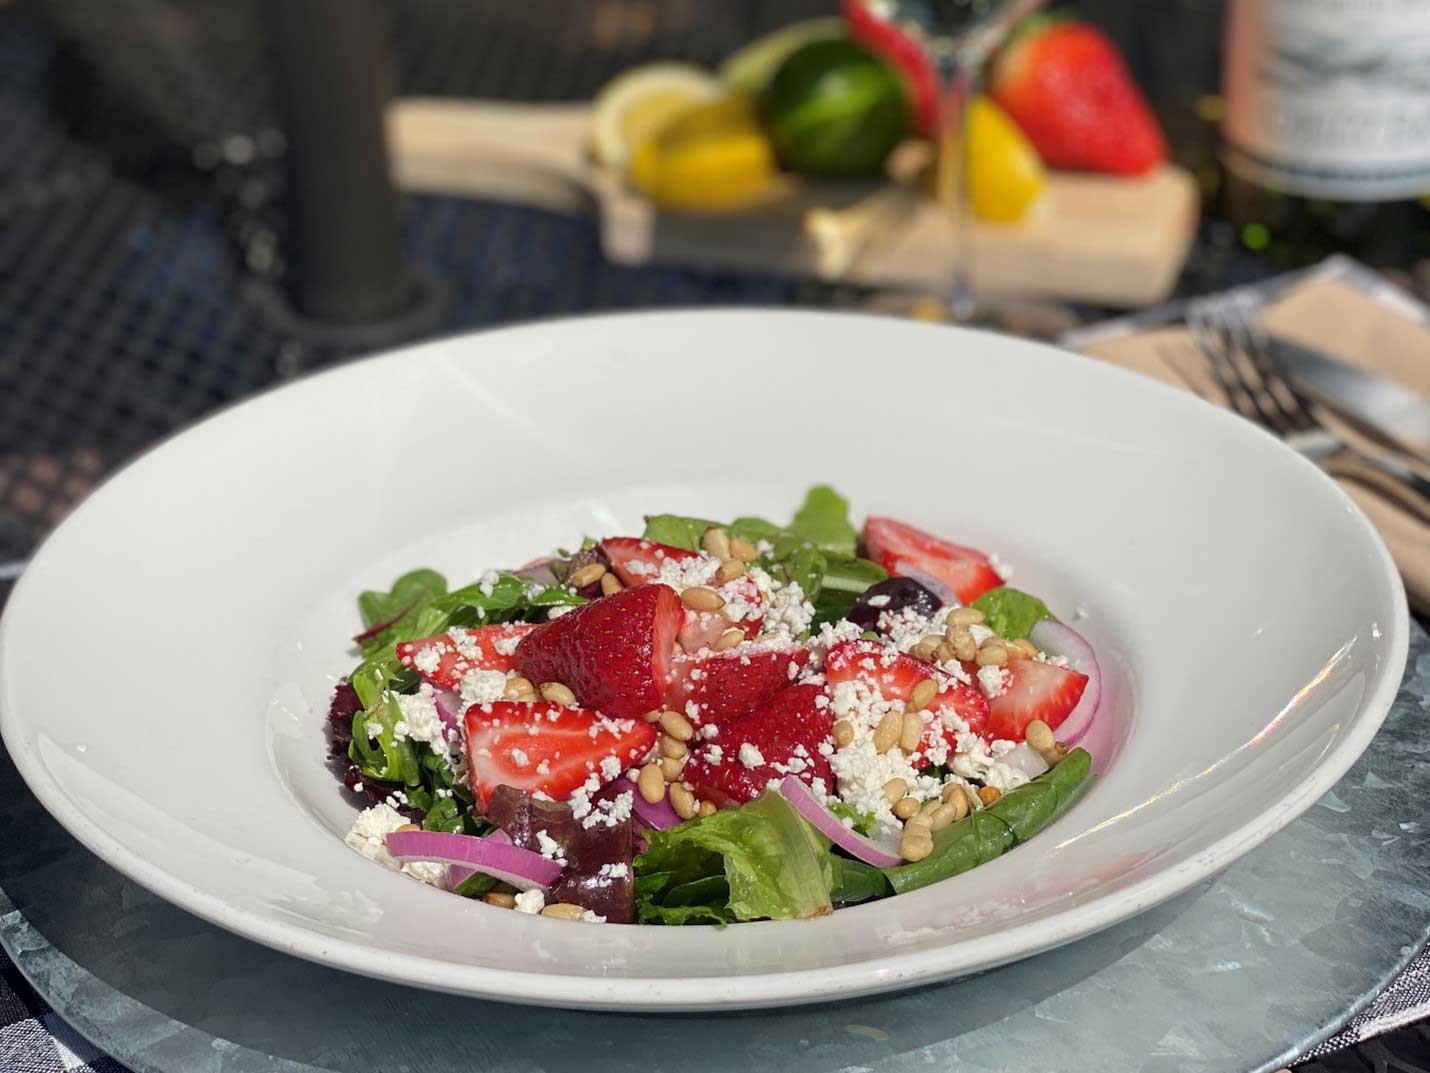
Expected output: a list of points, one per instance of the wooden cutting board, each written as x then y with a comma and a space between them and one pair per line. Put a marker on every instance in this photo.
1094, 238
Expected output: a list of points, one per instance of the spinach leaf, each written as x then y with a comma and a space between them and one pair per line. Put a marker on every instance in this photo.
823, 521
676, 530
855, 881
1010, 612
410, 591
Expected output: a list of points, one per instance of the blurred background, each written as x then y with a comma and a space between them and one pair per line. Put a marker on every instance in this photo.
194, 204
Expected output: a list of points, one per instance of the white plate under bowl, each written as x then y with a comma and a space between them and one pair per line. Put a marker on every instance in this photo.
166, 659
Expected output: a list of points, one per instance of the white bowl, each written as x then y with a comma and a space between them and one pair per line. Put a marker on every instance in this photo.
166, 659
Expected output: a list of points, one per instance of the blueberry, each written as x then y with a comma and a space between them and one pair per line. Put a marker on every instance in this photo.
899, 593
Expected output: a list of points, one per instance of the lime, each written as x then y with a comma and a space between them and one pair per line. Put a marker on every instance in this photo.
712, 157
834, 109
636, 103
749, 69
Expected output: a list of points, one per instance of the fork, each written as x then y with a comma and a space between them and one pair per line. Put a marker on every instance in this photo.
1237, 355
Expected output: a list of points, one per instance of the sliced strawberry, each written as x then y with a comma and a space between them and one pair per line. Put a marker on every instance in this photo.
444, 660
638, 562
780, 737
1033, 690
897, 546
895, 675
547, 748
726, 685
613, 653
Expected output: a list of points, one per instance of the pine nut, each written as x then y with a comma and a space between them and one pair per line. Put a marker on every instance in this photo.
1056, 755
944, 815
843, 733
610, 584
515, 687
671, 767
924, 651
905, 807
673, 748
926, 811
911, 731
916, 843
989, 794
700, 598
651, 783
924, 692
406, 827
964, 646
991, 655
1026, 647
1039, 735
729, 639
956, 798
677, 726
965, 616
500, 898
707, 808
729, 570
945, 653
934, 639
895, 789
557, 693
716, 542
563, 911
653, 716
586, 575
743, 550
886, 734
683, 801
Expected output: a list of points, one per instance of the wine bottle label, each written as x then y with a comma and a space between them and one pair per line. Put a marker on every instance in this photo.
1329, 98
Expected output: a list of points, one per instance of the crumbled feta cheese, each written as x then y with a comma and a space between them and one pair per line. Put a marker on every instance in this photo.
520, 759
750, 755
559, 610
618, 870
879, 599
369, 837
714, 754
993, 682
980, 633
550, 848
787, 614
531, 901
420, 721
488, 582
483, 687
428, 660
591, 918
507, 645
610, 767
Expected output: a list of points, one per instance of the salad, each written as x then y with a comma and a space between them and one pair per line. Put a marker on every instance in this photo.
712, 722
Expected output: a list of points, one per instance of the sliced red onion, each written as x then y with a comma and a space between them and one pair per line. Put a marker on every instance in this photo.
658, 817
449, 707
457, 874
808, 804
538, 570
904, 568
1056, 639
511, 864
1026, 759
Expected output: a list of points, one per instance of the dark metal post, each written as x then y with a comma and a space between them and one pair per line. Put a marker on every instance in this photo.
332, 85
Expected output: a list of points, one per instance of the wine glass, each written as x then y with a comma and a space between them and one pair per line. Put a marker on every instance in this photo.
956, 38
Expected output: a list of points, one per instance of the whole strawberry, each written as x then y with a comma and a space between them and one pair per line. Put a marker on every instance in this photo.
1066, 85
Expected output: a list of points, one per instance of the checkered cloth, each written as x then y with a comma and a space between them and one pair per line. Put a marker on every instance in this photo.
33, 1039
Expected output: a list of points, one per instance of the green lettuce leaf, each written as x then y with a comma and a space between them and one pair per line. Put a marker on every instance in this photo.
855, 881
823, 521
676, 530
376, 750
419, 587
1010, 612
774, 865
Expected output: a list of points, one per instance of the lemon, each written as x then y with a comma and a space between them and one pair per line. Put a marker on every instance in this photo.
710, 157
637, 103
1005, 173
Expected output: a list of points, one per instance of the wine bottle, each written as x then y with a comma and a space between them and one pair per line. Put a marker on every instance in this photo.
1326, 130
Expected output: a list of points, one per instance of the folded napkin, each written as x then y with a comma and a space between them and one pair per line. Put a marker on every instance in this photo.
1343, 313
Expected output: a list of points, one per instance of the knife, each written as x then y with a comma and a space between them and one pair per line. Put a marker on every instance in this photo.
1382, 407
